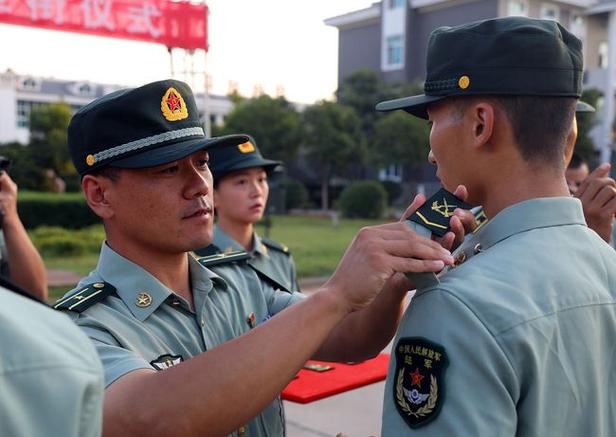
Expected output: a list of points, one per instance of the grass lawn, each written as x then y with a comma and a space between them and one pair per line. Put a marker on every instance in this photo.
315, 244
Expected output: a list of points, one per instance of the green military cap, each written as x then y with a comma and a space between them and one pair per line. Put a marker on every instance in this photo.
503, 56
140, 127
232, 157
584, 107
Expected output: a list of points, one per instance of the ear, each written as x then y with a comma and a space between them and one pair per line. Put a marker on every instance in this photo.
570, 142
96, 190
482, 116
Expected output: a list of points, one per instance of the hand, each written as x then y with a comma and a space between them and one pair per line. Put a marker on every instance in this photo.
376, 254
462, 223
598, 196
8, 197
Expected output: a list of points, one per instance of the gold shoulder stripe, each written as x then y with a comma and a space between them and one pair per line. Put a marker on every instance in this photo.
85, 298
223, 258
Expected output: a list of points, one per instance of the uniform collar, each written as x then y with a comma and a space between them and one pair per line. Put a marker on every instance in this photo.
226, 244
257, 245
134, 284
518, 218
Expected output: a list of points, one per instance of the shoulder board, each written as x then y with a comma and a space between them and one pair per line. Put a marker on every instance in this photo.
85, 298
480, 219
223, 258
269, 279
207, 251
276, 246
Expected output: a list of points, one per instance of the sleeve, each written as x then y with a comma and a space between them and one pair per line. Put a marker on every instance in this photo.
117, 361
279, 300
473, 392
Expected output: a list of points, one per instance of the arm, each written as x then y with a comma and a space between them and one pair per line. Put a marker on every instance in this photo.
598, 196
223, 388
25, 264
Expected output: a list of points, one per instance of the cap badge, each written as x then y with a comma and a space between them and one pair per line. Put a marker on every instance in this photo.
246, 147
90, 160
464, 82
173, 105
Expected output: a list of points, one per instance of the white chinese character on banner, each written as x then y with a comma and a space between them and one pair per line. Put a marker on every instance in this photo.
97, 14
141, 19
47, 10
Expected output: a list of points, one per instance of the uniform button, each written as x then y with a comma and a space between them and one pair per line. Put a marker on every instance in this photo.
242, 431
175, 302
202, 322
459, 259
478, 248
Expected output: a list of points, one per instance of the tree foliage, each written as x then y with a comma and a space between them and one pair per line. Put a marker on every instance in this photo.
273, 122
333, 139
401, 139
584, 146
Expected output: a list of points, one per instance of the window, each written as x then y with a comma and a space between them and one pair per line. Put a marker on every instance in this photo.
578, 25
517, 8
549, 12
391, 173
394, 4
603, 52
394, 51
23, 112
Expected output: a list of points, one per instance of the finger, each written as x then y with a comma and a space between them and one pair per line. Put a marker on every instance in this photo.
448, 240
419, 200
592, 188
467, 218
411, 265
421, 249
610, 207
461, 192
600, 172
606, 194
458, 230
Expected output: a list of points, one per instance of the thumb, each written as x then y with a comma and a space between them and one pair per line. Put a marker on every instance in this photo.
461, 192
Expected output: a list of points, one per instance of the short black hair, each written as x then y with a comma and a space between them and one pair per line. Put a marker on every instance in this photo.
576, 161
109, 172
540, 124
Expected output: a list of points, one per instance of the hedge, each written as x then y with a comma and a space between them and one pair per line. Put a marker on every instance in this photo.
365, 199
67, 210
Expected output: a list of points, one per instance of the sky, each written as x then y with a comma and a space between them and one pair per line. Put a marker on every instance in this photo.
267, 43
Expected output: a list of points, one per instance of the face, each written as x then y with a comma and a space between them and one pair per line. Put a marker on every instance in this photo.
446, 134
241, 196
575, 177
167, 208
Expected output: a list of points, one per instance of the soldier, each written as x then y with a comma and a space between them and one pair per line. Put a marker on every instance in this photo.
51, 377
517, 338
188, 351
241, 191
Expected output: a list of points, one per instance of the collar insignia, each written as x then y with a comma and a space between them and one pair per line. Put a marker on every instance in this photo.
173, 105
144, 300
419, 384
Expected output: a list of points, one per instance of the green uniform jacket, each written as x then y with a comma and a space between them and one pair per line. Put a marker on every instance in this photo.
51, 380
519, 339
143, 325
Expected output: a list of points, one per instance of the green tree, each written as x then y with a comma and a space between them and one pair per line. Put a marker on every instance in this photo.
401, 139
273, 122
23, 169
584, 146
333, 140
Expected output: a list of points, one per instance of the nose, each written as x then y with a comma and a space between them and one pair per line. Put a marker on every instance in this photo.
198, 183
431, 158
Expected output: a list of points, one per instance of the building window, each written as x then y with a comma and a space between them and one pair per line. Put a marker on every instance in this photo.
549, 11
391, 173
603, 52
578, 25
394, 51
394, 4
517, 8
23, 112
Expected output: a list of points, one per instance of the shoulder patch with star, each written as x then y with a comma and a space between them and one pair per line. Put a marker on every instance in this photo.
223, 258
276, 246
86, 297
419, 380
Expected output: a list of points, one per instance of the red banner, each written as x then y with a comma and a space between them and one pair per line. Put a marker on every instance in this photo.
174, 24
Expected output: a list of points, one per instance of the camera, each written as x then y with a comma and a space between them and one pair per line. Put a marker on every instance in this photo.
4, 163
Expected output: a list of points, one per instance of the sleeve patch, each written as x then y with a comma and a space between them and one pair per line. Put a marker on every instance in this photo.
419, 380
86, 297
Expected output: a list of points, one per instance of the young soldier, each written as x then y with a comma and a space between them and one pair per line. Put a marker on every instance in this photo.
241, 191
517, 339
187, 351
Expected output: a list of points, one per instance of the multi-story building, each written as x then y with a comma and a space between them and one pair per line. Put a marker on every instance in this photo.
19, 93
391, 37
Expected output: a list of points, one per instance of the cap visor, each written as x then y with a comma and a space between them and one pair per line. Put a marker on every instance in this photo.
267, 164
175, 151
583, 107
414, 105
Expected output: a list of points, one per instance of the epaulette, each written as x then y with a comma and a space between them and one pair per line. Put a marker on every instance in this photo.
212, 249
276, 246
85, 298
480, 219
223, 258
264, 276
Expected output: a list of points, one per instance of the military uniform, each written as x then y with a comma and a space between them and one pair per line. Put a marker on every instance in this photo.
141, 324
528, 312
51, 377
517, 337
271, 258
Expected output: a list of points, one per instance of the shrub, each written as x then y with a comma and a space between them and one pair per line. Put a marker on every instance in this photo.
296, 194
52, 209
393, 189
366, 199
54, 241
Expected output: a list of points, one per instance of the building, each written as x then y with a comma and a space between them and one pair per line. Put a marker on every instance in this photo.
391, 37
20, 93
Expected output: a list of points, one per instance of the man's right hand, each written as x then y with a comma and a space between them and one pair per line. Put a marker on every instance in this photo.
598, 196
375, 255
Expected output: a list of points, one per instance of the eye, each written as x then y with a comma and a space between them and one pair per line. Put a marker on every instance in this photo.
170, 170
202, 163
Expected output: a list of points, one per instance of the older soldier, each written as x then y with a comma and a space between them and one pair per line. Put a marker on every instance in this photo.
517, 338
187, 351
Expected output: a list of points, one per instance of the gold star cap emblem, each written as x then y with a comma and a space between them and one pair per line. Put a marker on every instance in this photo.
144, 299
90, 160
464, 82
246, 147
173, 105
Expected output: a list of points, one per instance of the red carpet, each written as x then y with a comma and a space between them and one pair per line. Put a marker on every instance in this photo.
310, 386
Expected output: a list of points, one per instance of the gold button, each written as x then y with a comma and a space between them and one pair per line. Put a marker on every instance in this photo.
144, 300
99, 285
464, 82
242, 430
90, 160
459, 259
175, 302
